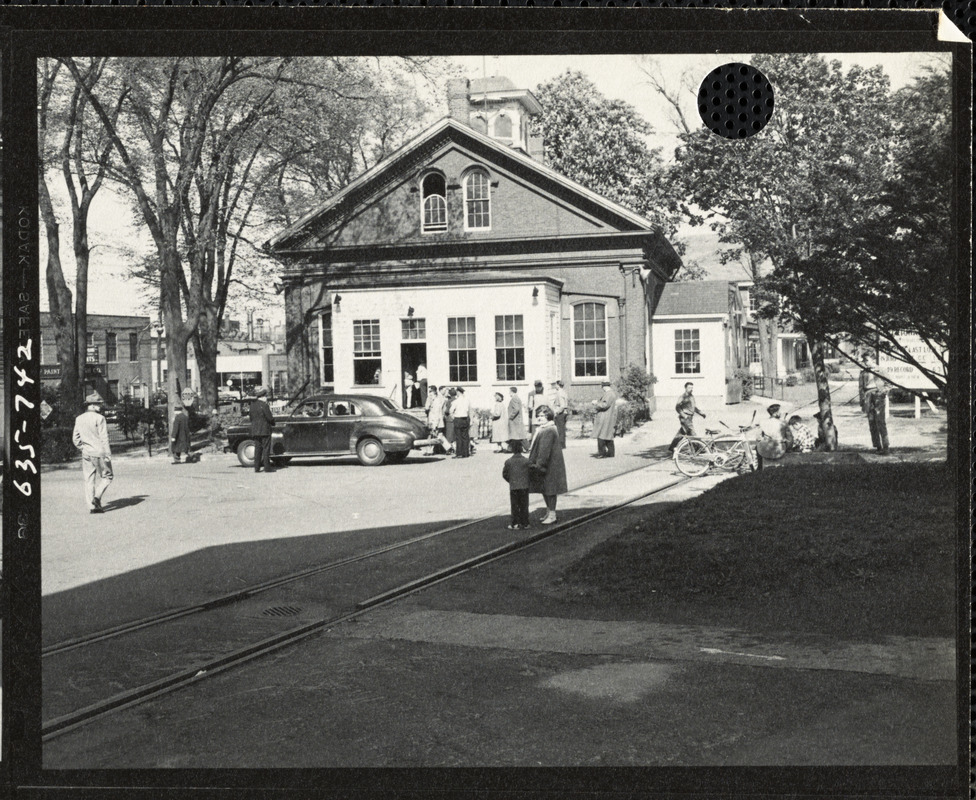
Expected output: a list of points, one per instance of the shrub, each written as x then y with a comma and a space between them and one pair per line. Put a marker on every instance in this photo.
634, 385
791, 379
745, 376
627, 415
57, 446
583, 410
832, 367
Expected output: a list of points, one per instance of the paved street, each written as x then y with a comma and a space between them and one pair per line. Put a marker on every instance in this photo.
442, 677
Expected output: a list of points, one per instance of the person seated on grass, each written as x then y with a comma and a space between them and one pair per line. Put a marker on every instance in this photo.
776, 437
803, 438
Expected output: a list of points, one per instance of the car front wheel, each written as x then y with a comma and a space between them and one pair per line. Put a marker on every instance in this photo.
370, 453
245, 453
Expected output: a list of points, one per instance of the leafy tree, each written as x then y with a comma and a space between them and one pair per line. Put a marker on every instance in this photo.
819, 165
891, 272
601, 144
206, 148
70, 143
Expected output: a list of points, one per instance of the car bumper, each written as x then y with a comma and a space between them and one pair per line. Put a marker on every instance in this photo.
418, 443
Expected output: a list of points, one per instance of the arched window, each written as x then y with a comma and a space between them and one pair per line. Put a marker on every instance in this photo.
590, 340
480, 124
477, 201
434, 192
503, 127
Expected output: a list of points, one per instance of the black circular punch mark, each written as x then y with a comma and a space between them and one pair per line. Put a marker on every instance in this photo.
735, 101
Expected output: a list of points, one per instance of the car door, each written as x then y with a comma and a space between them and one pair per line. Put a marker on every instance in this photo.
305, 430
343, 416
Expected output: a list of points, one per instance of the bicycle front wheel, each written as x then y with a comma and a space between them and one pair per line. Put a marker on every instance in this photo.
692, 458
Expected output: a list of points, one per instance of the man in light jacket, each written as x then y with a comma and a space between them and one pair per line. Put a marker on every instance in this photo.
91, 437
605, 423
516, 425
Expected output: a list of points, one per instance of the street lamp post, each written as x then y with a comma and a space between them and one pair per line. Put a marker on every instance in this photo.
159, 355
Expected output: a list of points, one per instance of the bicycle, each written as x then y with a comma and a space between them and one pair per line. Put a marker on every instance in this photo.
696, 455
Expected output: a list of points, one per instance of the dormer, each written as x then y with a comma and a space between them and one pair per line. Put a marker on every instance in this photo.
495, 108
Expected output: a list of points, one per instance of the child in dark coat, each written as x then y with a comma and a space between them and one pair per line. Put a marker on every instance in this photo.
516, 472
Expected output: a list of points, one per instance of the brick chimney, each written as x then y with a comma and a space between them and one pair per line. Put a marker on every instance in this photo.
458, 102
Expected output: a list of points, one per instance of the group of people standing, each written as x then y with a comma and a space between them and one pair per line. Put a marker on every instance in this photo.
508, 424
449, 419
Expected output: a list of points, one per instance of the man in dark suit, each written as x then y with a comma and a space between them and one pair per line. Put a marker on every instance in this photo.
262, 421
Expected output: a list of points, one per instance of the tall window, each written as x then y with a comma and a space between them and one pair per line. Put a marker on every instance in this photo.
111, 347
477, 201
687, 351
462, 350
752, 352
509, 348
366, 351
133, 347
590, 340
435, 203
325, 345
503, 127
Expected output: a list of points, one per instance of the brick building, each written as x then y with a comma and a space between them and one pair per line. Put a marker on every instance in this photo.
464, 252
118, 356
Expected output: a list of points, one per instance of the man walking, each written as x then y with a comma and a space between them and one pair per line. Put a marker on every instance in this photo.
179, 435
91, 437
873, 391
460, 410
262, 421
559, 402
686, 408
605, 423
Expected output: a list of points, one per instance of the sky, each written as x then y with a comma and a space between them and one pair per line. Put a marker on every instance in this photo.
616, 76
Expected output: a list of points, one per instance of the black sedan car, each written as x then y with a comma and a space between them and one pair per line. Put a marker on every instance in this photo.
371, 427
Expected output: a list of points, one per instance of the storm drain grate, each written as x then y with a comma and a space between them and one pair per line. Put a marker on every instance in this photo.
281, 611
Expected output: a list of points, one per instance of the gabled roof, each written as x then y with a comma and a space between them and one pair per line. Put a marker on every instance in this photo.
694, 297
450, 129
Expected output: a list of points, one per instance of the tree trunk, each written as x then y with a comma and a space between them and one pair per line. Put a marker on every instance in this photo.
828, 433
767, 352
205, 343
72, 383
81, 249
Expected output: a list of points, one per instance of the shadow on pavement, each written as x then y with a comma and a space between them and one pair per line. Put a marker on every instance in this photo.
125, 502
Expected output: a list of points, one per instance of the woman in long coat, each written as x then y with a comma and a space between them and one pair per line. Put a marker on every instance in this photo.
499, 423
516, 425
547, 469
180, 435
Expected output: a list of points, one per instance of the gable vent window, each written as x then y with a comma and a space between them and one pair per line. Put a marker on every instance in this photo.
477, 201
435, 203
503, 127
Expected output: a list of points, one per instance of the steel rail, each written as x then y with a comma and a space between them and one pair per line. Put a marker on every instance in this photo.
246, 592
75, 719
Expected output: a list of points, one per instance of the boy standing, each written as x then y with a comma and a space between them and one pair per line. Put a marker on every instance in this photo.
516, 472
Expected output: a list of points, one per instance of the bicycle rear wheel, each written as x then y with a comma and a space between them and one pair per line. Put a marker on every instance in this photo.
692, 458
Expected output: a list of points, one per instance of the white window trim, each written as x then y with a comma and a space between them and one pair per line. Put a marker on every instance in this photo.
423, 203
585, 379
467, 178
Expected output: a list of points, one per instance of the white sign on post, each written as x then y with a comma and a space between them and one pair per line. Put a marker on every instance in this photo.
908, 375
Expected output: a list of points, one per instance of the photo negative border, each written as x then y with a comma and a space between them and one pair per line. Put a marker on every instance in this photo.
33, 33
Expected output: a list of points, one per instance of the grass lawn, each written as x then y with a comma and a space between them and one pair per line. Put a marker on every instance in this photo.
855, 549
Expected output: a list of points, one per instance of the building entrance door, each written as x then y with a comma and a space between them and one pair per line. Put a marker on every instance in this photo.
412, 356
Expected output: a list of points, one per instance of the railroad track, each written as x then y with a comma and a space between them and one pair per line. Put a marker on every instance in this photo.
457, 564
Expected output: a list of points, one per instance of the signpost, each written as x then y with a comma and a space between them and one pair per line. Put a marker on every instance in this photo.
909, 376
